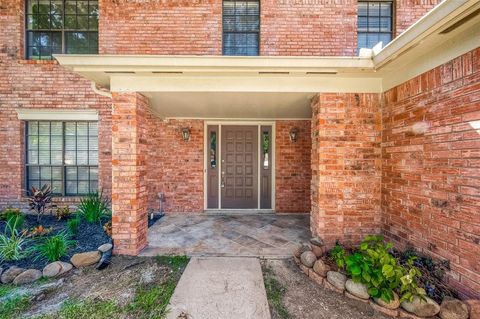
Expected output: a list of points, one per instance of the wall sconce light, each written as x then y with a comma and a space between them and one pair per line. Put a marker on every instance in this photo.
293, 134
186, 134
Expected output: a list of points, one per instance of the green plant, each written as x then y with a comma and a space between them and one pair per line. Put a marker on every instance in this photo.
13, 217
337, 254
73, 224
12, 307
409, 288
12, 244
275, 292
40, 200
54, 247
93, 207
63, 213
175, 263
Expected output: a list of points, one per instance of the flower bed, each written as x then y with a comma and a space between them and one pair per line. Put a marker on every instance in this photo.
392, 282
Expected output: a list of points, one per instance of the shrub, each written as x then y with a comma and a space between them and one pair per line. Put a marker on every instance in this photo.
54, 247
13, 217
373, 265
73, 224
93, 207
40, 200
12, 244
63, 213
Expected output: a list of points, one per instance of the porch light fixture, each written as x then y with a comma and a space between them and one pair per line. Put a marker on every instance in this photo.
293, 134
186, 134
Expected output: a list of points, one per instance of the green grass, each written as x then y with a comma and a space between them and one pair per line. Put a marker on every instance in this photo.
5, 290
150, 301
176, 263
275, 291
12, 307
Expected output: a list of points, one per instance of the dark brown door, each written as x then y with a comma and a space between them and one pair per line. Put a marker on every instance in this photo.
239, 166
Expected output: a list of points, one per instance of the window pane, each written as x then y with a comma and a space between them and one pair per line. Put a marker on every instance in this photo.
93, 143
362, 24
57, 173
70, 128
32, 157
71, 188
386, 9
44, 142
362, 8
44, 128
44, 157
33, 142
56, 158
373, 24
70, 157
83, 187
46, 173
57, 187
93, 173
82, 143
82, 128
82, 158
93, 158
373, 9
228, 8
33, 172
385, 24
92, 129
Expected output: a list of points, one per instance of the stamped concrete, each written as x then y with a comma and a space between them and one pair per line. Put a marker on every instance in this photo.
212, 288
236, 235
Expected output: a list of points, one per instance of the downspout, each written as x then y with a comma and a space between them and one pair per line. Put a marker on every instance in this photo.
101, 92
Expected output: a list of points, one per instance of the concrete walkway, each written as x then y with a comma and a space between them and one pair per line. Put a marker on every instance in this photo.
219, 288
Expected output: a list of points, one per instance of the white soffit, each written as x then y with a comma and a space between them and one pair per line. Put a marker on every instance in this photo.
34, 114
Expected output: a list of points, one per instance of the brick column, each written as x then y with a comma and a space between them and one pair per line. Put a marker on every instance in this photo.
346, 166
129, 194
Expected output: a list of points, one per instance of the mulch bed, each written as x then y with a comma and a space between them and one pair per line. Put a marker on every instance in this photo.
88, 238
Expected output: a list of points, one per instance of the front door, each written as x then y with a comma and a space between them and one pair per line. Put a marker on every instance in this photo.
239, 166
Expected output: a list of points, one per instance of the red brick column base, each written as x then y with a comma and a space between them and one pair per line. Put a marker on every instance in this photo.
129, 194
346, 166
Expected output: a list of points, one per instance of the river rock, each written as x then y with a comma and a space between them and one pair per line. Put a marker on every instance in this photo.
337, 279
9, 275
428, 308
308, 258
28, 276
317, 241
393, 304
105, 247
453, 309
357, 289
474, 308
85, 259
56, 269
321, 268
301, 249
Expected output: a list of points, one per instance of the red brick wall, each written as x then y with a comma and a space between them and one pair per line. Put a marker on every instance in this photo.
431, 166
346, 166
409, 11
292, 167
175, 167
292, 27
129, 171
161, 27
32, 84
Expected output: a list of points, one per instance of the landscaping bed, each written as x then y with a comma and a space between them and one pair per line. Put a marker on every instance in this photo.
88, 238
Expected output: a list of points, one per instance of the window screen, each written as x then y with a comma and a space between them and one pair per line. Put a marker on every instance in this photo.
61, 26
241, 27
375, 23
64, 155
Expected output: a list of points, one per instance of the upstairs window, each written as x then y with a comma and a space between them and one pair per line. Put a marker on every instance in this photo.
61, 26
241, 27
375, 23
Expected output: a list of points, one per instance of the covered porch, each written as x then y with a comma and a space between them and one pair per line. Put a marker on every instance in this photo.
228, 235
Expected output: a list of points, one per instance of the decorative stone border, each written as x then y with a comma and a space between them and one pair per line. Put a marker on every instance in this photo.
308, 257
20, 276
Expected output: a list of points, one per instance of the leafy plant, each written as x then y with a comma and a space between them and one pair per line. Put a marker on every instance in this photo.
40, 200
93, 207
410, 288
39, 230
9, 213
12, 244
338, 254
73, 224
54, 247
63, 213
16, 221
107, 227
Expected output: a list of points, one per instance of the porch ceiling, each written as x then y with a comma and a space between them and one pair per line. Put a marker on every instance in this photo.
281, 87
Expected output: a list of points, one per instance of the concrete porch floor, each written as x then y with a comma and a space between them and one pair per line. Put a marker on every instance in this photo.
228, 235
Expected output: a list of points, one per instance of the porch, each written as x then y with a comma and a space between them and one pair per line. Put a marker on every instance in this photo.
230, 235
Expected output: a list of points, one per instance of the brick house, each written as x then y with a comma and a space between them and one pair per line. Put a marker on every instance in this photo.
262, 105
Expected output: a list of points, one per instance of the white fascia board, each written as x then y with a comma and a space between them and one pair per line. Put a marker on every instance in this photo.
36, 114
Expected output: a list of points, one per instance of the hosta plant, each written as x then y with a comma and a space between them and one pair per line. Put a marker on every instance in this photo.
12, 244
53, 248
40, 200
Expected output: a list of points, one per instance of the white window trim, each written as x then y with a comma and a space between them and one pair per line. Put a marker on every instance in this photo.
45, 114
